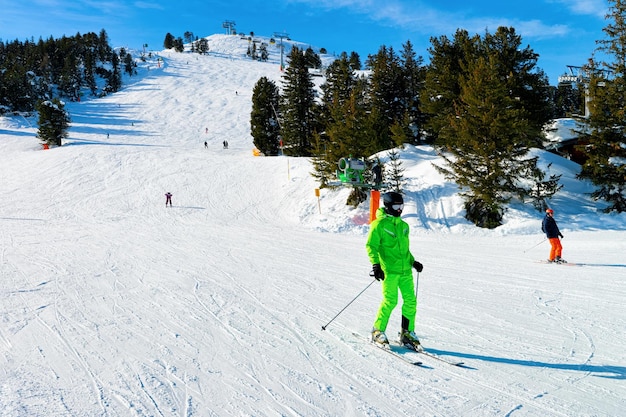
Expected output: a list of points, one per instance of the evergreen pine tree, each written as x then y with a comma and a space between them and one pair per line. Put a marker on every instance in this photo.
515, 64
401, 132
297, 106
355, 61
336, 93
323, 169
336, 90
179, 45
30, 71
104, 48
253, 54
606, 140
70, 80
202, 46
168, 42
129, 63
386, 84
312, 59
347, 133
14, 86
395, 174
53, 121
414, 74
188, 36
441, 83
114, 81
90, 65
488, 138
263, 52
264, 123
527, 83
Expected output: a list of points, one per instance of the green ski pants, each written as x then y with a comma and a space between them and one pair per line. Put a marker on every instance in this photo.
390, 287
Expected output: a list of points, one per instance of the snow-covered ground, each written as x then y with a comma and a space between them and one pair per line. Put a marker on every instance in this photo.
114, 305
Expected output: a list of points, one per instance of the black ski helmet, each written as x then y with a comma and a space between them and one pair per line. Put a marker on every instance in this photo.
390, 199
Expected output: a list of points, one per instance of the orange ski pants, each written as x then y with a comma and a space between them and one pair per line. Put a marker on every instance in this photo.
555, 248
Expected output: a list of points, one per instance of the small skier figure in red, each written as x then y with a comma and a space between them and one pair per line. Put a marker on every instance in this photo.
168, 199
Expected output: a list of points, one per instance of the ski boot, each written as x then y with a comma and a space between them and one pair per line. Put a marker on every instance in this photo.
379, 337
410, 340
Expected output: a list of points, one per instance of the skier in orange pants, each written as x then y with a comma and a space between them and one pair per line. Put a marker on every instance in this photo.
550, 228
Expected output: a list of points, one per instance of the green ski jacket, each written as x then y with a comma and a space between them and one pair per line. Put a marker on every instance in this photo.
388, 244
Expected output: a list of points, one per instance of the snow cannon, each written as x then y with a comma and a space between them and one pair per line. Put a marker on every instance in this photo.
350, 170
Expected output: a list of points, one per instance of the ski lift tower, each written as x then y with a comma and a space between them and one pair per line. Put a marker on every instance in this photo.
229, 25
577, 75
281, 36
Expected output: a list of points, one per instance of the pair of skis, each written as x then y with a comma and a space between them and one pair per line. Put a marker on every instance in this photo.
387, 348
559, 263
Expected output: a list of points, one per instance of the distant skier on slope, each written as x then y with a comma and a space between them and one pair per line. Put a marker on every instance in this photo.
388, 250
168, 199
550, 228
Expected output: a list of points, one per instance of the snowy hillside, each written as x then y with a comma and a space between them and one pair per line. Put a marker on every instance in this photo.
114, 305
236, 47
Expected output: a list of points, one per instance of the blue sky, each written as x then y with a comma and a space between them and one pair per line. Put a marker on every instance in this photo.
562, 32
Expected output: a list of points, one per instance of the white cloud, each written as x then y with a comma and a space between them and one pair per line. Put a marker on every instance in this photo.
596, 8
539, 30
421, 18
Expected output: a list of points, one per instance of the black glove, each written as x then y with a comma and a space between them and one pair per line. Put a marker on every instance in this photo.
378, 272
418, 266
561, 235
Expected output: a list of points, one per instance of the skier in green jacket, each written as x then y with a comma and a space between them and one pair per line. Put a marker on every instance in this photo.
388, 250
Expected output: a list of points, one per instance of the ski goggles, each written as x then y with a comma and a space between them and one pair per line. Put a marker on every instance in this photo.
397, 206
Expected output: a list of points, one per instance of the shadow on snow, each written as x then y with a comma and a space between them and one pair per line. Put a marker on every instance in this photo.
611, 372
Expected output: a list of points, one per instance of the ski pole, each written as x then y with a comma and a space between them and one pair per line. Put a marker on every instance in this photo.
337, 315
417, 281
536, 245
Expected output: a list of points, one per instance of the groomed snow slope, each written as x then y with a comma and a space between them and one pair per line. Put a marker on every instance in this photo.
113, 305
